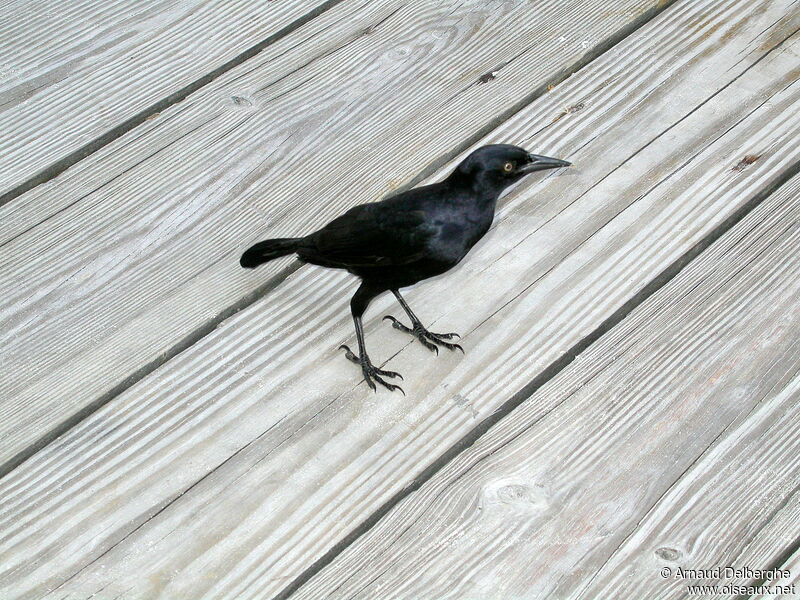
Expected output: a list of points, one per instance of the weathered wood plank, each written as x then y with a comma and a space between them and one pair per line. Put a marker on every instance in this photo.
672, 442
272, 449
790, 514
74, 71
737, 505
141, 257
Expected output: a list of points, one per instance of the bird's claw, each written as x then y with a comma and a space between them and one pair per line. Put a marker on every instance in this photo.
373, 373
397, 324
349, 354
426, 337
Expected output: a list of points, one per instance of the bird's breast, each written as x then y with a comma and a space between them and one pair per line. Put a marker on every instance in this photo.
455, 237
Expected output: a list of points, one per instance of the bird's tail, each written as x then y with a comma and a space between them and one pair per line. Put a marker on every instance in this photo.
267, 250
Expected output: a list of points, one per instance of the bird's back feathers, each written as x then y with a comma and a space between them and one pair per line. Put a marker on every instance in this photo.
370, 235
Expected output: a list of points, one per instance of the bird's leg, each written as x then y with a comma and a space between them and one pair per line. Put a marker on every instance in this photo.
419, 331
371, 373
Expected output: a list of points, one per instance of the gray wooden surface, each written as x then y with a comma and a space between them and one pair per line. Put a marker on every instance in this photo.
175, 427
672, 442
124, 247
74, 71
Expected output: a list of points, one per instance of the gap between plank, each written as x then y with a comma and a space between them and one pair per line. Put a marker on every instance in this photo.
93, 146
198, 334
544, 377
782, 559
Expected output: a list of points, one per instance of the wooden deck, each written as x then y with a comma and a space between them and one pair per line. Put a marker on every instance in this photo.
628, 409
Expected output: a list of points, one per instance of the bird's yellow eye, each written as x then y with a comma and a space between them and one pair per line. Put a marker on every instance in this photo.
508, 167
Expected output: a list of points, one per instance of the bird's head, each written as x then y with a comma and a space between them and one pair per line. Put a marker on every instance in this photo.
498, 166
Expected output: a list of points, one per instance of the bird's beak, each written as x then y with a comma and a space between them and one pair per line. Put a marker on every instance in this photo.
540, 163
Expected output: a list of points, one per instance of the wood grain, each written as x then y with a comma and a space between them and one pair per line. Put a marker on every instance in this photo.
246, 458
131, 256
792, 563
672, 442
73, 71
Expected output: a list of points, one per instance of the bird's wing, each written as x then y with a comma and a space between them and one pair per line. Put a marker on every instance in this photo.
373, 235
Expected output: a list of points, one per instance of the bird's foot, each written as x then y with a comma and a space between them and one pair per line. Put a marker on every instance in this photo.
426, 337
373, 373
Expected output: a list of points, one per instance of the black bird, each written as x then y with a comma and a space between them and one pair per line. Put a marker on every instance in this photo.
406, 238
